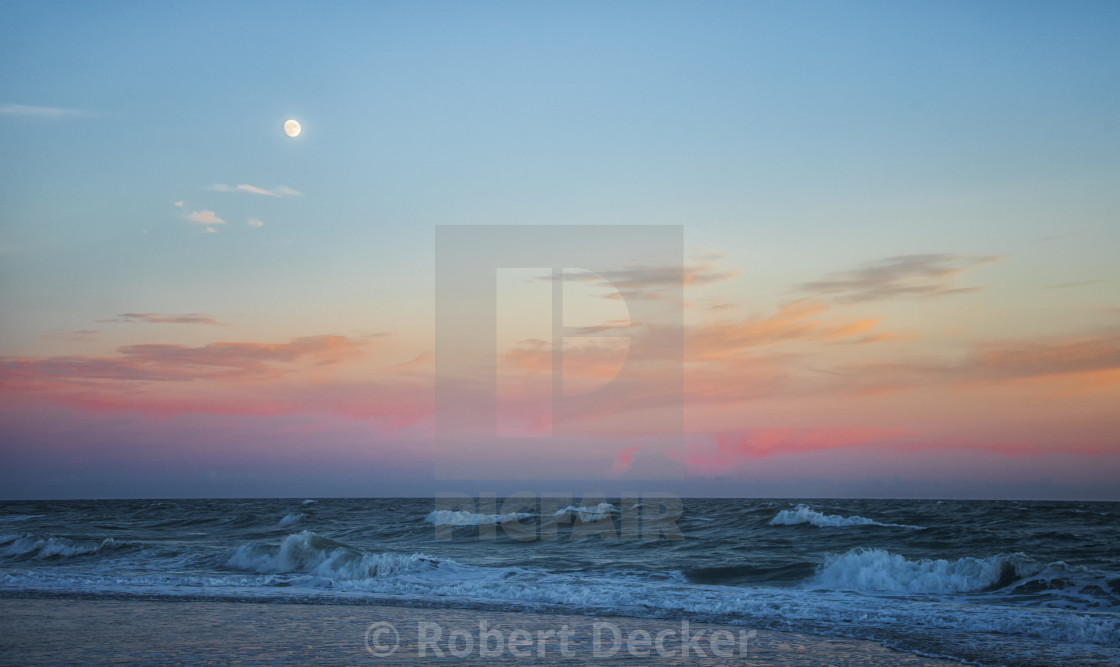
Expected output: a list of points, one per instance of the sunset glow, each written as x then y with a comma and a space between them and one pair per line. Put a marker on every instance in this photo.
899, 275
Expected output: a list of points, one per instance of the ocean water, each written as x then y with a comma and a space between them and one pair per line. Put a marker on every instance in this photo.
993, 583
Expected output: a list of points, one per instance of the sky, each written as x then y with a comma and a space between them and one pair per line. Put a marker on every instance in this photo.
894, 272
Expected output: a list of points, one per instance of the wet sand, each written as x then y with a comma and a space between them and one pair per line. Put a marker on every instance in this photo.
80, 631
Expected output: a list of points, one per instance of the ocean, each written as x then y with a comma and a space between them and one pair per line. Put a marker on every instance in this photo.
982, 582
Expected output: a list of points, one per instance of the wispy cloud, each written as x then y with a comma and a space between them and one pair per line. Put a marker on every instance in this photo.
905, 275
1058, 237
169, 363
798, 321
180, 204
593, 358
1079, 283
76, 336
256, 222
208, 218
37, 112
726, 361
1083, 363
157, 318
1053, 356
299, 377
278, 191
654, 282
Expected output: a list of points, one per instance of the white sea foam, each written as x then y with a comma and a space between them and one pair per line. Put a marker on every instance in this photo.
805, 514
463, 518
291, 518
600, 511
620, 593
309, 553
307, 566
310, 501
40, 548
879, 571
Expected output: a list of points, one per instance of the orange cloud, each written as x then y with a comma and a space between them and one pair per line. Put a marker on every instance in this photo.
1047, 357
800, 320
1066, 365
717, 341
227, 378
177, 363
591, 358
726, 362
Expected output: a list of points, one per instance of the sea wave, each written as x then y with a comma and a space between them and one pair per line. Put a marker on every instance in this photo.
804, 514
867, 570
596, 513
33, 547
464, 518
310, 553
291, 518
306, 566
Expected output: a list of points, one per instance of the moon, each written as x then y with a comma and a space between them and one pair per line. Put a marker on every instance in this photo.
292, 128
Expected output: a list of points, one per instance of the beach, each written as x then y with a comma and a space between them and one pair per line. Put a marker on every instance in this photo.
81, 631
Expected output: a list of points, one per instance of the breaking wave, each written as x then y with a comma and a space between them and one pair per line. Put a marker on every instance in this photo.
878, 571
31, 547
291, 518
309, 553
805, 514
599, 512
463, 518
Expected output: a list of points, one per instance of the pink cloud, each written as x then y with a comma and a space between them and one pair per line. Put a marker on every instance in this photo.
733, 448
731, 453
624, 460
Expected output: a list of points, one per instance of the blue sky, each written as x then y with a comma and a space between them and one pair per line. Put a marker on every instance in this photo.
795, 140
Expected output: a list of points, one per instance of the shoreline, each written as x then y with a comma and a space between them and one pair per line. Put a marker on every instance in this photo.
61, 630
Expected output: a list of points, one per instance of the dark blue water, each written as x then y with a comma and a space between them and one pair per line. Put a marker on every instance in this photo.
988, 582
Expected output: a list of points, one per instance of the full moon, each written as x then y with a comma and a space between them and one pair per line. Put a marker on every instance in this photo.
292, 128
